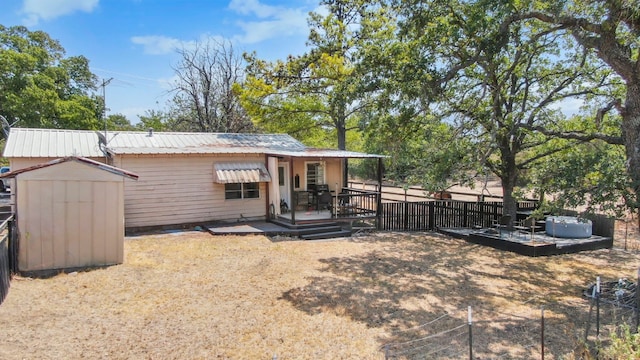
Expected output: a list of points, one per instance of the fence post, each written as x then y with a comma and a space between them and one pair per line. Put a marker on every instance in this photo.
431, 215
586, 330
465, 218
598, 307
637, 309
470, 334
13, 245
542, 334
406, 215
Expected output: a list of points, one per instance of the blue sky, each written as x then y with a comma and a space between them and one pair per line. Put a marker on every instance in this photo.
135, 41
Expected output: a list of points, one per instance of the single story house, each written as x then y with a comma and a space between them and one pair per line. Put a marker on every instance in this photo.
189, 178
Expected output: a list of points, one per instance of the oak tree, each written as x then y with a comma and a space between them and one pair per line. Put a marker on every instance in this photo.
41, 87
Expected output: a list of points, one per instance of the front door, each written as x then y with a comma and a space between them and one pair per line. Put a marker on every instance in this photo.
284, 183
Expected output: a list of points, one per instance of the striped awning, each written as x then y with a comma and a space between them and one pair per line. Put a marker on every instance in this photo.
225, 173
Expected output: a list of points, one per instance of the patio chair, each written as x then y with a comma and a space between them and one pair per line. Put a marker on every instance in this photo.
325, 201
527, 225
503, 223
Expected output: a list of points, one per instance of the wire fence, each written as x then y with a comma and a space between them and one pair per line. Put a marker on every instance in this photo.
478, 333
628, 234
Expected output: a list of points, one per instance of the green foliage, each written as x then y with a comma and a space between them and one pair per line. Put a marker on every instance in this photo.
156, 120
119, 122
608, 29
417, 154
40, 87
316, 97
623, 346
496, 86
589, 175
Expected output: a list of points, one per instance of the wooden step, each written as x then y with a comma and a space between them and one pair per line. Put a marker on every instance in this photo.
320, 229
326, 235
301, 226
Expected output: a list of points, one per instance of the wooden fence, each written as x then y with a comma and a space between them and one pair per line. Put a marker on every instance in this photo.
431, 215
435, 214
8, 254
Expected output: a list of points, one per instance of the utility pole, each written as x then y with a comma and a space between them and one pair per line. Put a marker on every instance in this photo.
104, 84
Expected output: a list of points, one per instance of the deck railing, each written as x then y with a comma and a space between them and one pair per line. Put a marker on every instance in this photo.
434, 214
349, 203
353, 203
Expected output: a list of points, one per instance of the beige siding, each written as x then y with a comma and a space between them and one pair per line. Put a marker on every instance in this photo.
333, 172
180, 189
65, 223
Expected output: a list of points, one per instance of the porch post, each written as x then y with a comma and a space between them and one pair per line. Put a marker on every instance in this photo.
345, 172
292, 186
273, 190
379, 196
268, 204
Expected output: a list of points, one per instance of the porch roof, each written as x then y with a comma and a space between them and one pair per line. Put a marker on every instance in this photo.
326, 153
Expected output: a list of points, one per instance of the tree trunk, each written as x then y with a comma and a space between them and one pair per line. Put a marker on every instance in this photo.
510, 206
631, 134
342, 145
508, 177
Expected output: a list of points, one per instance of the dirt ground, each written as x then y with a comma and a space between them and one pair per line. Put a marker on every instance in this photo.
195, 296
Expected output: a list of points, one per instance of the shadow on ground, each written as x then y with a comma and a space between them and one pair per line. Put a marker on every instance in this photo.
412, 280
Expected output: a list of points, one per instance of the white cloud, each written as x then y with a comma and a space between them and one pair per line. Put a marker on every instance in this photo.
272, 21
36, 10
162, 45
167, 83
158, 45
248, 7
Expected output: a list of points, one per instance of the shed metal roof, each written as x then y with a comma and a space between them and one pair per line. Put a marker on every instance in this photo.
98, 165
31, 143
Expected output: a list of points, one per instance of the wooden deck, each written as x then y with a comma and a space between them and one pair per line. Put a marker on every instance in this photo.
536, 244
326, 229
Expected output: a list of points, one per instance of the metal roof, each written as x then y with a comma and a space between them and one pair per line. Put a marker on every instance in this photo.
327, 153
240, 173
96, 164
51, 143
24, 142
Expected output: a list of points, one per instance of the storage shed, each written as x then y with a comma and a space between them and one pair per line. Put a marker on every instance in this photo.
70, 214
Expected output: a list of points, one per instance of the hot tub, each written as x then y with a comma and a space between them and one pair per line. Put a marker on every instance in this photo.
568, 227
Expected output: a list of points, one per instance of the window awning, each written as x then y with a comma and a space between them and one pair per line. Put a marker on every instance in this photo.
225, 173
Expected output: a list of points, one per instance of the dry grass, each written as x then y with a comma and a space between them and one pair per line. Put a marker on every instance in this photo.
194, 296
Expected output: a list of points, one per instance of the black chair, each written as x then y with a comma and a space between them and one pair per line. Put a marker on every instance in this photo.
325, 201
503, 223
529, 224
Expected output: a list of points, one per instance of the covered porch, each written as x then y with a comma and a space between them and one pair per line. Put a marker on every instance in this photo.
347, 205
311, 187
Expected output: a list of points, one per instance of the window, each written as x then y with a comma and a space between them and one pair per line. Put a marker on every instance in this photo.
315, 174
241, 191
